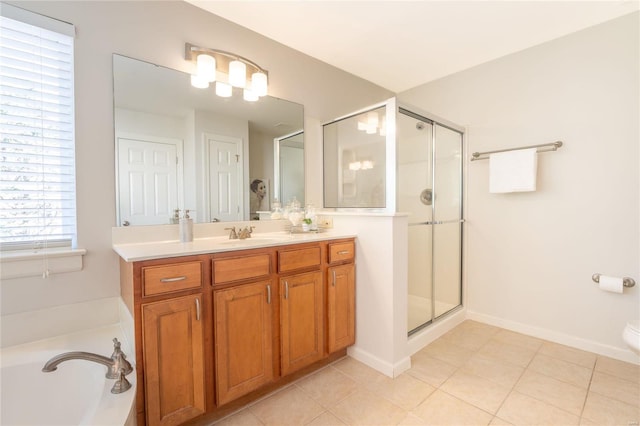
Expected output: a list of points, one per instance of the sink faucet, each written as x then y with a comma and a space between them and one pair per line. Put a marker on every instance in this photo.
232, 233
117, 365
246, 232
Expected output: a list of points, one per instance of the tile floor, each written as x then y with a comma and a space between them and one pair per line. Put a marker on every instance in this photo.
474, 375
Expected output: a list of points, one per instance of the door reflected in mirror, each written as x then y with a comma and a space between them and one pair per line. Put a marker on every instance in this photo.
182, 148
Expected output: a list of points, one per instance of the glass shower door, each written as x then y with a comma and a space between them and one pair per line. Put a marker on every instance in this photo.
447, 218
414, 195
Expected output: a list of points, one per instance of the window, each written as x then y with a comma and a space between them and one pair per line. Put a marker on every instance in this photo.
37, 147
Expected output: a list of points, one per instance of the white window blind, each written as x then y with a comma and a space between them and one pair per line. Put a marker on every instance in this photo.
37, 146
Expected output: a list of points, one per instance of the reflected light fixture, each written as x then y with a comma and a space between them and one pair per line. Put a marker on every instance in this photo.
371, 123
223, 89
228, 70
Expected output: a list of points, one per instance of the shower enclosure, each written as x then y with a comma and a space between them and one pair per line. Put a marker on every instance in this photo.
391, 158
429, 180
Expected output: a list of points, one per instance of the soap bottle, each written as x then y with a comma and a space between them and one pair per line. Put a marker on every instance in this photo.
186, 228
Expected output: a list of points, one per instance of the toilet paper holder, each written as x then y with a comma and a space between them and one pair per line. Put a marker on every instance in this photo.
626, 281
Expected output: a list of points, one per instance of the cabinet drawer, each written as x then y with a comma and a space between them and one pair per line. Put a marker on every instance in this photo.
341, 251
241, 268
170, 278
290, 260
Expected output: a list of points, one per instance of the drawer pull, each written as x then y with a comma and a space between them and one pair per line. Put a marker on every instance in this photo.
334, 278
268, 294
286, 289
173, 280
343, 252
197, 309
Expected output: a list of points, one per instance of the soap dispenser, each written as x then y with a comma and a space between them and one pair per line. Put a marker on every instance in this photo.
186, 228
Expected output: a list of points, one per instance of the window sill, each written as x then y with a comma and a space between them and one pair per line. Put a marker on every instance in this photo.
25, 263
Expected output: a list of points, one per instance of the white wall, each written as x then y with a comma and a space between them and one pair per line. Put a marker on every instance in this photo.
156, 32
531, 255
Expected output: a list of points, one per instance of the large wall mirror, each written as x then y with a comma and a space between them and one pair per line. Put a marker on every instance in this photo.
178, 147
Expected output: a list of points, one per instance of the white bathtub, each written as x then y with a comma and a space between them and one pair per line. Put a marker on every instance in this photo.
77, 393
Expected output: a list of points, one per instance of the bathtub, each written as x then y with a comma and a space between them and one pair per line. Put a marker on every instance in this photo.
77, 393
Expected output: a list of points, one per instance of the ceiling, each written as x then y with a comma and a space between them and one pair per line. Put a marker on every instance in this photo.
403, 44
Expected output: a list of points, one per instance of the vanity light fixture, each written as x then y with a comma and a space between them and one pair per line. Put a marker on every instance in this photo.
228, 70
370, 123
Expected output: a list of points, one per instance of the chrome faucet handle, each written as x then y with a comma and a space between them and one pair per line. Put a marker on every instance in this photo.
120, 363
232, 233
116, 348
122, 384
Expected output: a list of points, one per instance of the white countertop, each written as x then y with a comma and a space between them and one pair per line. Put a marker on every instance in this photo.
132, 252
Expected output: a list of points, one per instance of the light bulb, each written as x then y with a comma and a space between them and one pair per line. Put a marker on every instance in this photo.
237, 73
199, 82
207, 67
223, 90
259, 83
249, 95
372, 119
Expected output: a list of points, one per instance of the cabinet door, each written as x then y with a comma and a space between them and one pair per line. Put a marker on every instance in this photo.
340, 307
301, 317
243, 333
173, 360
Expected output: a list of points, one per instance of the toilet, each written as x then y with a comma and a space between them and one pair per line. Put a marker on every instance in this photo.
631, 336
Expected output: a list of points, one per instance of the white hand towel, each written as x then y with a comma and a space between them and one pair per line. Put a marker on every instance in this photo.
513, 171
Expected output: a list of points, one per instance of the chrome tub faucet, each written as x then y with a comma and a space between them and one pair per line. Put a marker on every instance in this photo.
117, 365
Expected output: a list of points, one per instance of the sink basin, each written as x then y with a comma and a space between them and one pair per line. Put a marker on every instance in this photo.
255, 240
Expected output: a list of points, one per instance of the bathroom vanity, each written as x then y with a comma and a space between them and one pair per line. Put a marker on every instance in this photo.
219, 323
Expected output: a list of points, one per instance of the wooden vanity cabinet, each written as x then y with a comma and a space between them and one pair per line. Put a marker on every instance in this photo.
171, 311
301, 307
173, 342
341, 301
216, 331
243, 316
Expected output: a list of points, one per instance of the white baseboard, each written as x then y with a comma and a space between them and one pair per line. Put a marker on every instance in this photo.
422, 338
621, 354
386, 368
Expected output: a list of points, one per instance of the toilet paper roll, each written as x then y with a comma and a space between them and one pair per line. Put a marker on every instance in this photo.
612, 284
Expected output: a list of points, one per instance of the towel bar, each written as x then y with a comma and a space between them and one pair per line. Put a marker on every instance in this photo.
553, 146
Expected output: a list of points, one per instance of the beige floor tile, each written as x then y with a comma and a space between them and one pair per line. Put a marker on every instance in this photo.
430, 370
448, 352
477, 391
547, 389
518, 339
405, 391
357, 371
470, 337
497, 372
365, 408
328, 386
326, 419
621, 369
478, 327
504, 352
497, 421
606, 411
566, 353
519, 409
412, 420
443, 409
587, 422
241, 418
616, 388
287, 407
561, 370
